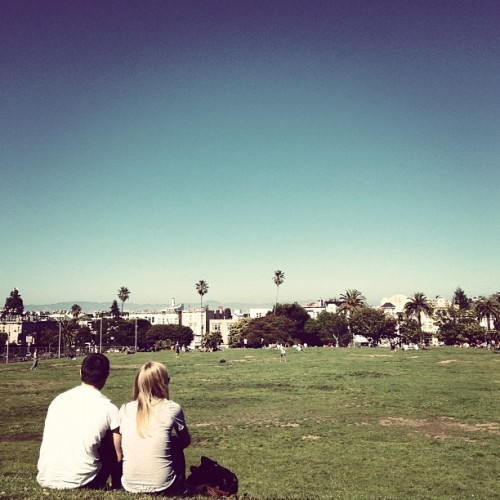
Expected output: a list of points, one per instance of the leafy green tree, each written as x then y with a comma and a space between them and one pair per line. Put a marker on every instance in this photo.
143, 325
409, 331
48, 338
115, 310
83, 337
13, 304
279, 278
75, 311
293, 311
170, 334
457, 326
212, 340
118, 332
270, 330
202, 289
299, 315
461, 300
330, 328
416, 306
237, 331
488, 308
123, 295
372, 324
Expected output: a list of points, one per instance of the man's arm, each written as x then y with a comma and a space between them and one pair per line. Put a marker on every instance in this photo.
117, 441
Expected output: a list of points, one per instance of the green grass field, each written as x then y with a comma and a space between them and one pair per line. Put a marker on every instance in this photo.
329, 423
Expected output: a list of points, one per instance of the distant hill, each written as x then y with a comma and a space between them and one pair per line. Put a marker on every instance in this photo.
131, 306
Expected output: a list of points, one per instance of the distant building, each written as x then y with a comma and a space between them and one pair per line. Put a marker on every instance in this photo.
319, 306
222, 326
259, 312
168, 316
198, 321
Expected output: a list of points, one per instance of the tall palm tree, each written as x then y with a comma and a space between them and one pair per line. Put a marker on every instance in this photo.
279, 278
123, 295
351, 301
489, 308
416, 306
202, 289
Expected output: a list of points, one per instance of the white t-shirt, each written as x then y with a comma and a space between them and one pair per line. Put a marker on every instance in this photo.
147, 462
76, 422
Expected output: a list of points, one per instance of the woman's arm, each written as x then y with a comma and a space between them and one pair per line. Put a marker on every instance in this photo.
184, 437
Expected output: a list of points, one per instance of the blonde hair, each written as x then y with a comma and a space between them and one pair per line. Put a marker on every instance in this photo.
150, 386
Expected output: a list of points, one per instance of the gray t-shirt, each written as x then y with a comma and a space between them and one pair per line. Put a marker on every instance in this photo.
147, 462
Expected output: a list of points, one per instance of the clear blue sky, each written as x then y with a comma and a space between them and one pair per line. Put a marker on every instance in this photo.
350, 144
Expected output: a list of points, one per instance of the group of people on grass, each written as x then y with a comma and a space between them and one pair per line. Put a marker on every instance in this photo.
87, 439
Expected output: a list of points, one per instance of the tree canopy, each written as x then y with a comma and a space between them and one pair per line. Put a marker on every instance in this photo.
13, 304
269, 330
330, 328
372, 324
461, 300
115, 310
170, 334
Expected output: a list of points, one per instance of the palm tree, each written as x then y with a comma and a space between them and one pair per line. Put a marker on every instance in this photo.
67, 332
279, 278
416, 306
202, 289
123, 295
351, 301
489, 308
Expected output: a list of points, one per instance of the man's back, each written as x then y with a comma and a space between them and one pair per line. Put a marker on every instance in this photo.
76, 422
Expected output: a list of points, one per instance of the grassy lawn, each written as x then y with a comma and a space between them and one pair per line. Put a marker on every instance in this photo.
329, 423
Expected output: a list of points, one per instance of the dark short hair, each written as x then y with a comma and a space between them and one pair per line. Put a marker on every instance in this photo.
95, 370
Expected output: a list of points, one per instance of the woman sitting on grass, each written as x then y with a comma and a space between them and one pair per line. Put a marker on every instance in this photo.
153, 458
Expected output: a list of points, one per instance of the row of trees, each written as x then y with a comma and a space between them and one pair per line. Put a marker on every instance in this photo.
290, 323
112, 332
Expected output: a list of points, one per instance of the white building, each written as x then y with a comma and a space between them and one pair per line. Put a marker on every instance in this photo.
319, 306
259, 312
163, 317
168, 316
197, 320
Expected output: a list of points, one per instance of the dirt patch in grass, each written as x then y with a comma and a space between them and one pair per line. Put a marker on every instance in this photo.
311, 437
442, 427
447, 362
372, 355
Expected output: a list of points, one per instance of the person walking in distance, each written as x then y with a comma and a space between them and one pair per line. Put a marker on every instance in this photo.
34, 366
282, 350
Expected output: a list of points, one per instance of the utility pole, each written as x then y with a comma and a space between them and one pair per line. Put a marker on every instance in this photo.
60, 334
135, 346
100, 337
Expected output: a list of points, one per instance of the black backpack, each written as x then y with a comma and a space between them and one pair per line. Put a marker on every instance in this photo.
210, 473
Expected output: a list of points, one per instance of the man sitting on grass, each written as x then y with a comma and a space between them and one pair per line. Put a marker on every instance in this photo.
77, 447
